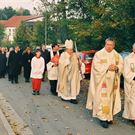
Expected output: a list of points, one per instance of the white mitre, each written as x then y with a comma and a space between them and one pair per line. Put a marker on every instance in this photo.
69, 44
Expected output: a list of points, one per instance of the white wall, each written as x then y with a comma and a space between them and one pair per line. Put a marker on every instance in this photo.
10, 33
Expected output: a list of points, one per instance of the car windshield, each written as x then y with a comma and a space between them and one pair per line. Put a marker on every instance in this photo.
89, 56
80, 56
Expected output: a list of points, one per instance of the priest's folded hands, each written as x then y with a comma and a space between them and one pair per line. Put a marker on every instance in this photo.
113, 68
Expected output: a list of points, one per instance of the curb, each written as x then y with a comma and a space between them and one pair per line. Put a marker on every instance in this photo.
13, 119
6, 124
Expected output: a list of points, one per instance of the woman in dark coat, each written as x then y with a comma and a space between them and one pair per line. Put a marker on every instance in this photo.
26, 58
3, 61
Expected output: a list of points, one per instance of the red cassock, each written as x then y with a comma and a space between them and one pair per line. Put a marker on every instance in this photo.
36, 84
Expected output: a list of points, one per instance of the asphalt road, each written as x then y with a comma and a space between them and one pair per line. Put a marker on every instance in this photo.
48, 115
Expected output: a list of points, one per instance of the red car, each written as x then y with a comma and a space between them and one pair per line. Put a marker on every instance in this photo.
87, 57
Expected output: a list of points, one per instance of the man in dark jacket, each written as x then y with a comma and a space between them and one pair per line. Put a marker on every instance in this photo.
14, 63
46, 56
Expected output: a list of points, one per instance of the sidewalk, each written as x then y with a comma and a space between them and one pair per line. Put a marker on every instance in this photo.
11, 120
2, 129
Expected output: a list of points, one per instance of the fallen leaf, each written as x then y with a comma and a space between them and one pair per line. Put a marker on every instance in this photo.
66, 106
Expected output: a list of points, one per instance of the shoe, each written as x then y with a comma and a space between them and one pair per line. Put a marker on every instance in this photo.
55, 94
12, 82
16, 82
65, 100
33, 92
27, 80
73, 101
38, 93
133, 122
104, 124
110, 122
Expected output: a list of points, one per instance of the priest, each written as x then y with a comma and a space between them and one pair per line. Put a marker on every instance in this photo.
69, 77
129, 86
104, 90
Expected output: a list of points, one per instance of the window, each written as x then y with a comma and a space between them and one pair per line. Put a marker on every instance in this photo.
89, 56
9, 32
13, 31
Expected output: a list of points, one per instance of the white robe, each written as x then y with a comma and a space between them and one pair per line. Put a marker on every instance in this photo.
52, 70
129, 87
37, 67
68, 77
104, 94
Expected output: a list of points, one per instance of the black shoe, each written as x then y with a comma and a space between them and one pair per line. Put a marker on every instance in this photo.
104, 124
110, 122
12, 81
55, 94
33, 92
133, 122
38, 93
16, 82
73, 101
27, 80
65, 100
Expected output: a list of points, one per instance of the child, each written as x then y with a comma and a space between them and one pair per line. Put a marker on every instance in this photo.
52, 68
37, 69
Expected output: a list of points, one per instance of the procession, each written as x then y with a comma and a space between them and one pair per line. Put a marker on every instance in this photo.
64, 72
67, 67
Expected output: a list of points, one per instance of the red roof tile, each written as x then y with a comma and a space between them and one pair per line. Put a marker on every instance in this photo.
3, 22
15, 21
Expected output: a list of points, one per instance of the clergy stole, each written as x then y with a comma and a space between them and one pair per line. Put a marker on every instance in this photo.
104, 94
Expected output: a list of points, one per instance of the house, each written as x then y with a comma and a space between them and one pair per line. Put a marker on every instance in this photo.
14, 22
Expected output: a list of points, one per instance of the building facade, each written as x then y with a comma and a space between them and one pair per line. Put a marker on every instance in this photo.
14, 22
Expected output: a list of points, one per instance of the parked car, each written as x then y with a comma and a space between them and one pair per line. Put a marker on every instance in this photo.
87, 57
124, 54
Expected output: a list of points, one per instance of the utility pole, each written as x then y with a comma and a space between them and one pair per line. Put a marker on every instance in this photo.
46, 27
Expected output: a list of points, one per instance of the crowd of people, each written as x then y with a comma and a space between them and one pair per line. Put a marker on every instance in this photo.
64, 71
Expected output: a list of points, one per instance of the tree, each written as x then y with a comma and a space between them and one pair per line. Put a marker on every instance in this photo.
95, 20
38, 34
23, 11
90, 22
23, 36
26, 12
8, 12
1, 33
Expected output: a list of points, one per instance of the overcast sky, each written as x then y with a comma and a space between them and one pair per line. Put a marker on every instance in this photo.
28, 4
